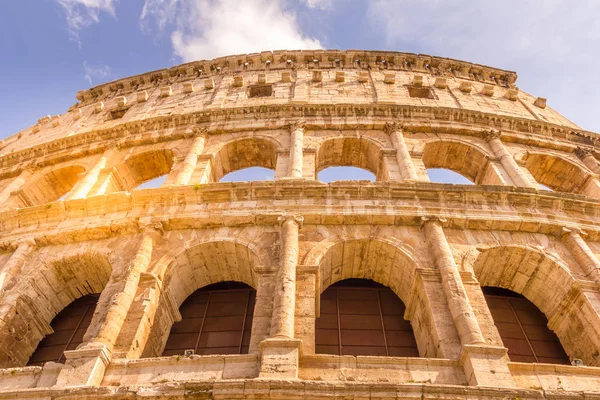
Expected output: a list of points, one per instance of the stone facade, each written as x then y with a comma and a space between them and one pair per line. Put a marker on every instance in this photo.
71, 224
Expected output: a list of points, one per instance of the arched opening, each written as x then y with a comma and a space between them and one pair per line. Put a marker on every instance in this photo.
463, 159
146, 169
244, 153
332, 174
251, 174
68, 328
153, 183
40, 295
557, 174
548, 285
216, 319
523, 328
362, 317
443, 175
359, 153
184, 278
47, 188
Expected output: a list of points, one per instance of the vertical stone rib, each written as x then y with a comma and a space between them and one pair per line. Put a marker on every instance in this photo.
284, 302
407, 169
127, 284
582, 253
507, 161
83, 187
588, 159
13, 266
454, 291
296, 154
191, 160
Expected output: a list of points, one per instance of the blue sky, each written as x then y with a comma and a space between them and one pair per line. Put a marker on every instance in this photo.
53, 48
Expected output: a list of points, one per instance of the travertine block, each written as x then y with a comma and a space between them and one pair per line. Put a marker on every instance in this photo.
487, 90
540, 102
238, 81
465, 87
389, 78
188, 87
166, 91
209, 83
142, 96
441, 83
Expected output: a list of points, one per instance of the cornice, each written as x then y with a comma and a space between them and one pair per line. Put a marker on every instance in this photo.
262, 203
338, 116
294, 59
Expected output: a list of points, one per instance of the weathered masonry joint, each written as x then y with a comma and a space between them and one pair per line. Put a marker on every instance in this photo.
397, 288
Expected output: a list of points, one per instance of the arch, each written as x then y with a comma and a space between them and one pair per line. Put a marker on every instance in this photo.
40, 295
548, 284
464, 158
143, 167
361, 317
387, 263
197, 266
216, 319
244, 153
48, 187
557, 172
360, 152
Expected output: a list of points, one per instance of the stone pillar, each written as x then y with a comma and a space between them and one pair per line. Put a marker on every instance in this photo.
282, 321
86, 365
15, 185
581, 252
458, 302
407, 169
280, 353
308, 297
11, 270
85, 185
295, 162
188, 166
588, 159
507, 160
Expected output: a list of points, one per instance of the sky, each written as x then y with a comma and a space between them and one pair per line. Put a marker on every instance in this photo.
50, 49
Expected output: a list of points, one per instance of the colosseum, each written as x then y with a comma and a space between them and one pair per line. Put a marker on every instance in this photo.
292, 288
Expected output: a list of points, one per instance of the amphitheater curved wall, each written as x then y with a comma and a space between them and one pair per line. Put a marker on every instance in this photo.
73, 223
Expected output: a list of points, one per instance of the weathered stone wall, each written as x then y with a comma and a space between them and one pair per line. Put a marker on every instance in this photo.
73, 223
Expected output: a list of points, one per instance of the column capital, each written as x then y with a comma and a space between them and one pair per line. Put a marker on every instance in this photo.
298, 219
27, 241
491, 135
391, 127
565, 231
197, 131
436, 219
296, 125
583, 153
151, 226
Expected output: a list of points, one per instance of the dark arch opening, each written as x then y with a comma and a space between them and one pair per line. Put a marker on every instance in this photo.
523, 328
362, 317
216, 319
68, 327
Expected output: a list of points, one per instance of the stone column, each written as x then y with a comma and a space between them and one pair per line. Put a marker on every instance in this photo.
12, 268
86, 365
407, 169
454, 291
282, 321
280, 353
588, 159
308, 296
507, 160
15, 185
188, 166
581, 252
295, 162
85, 185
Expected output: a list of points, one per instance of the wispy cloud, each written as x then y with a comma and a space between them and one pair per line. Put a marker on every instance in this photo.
204, 29
82, 13
318, 4
548, 43
96, 72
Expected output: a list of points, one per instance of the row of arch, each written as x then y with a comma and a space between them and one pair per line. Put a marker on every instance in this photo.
469, 159
545, 282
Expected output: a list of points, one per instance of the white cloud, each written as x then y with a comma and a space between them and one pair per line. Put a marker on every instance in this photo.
95, 72
551, 44
205, 29
319, 4
82, 13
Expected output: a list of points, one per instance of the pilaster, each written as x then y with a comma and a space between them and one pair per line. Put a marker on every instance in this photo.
295, 163
407, 169
186, 168
513, 169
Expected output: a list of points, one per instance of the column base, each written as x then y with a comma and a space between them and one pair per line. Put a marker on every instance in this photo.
280, 358
84, 367
486, 365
